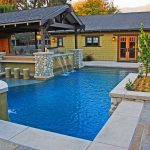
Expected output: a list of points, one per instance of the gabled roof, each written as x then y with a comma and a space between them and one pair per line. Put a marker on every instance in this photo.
43, 15
117, 22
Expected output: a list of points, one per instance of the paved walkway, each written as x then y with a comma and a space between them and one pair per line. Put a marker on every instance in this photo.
111, 64
141, 139
7, 145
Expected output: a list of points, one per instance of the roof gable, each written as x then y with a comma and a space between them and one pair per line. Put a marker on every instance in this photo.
31, 14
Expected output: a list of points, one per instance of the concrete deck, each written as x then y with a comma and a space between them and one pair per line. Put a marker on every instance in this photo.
111, 64
141, 139
116, 134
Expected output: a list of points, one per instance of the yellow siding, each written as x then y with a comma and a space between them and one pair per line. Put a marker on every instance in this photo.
108, 49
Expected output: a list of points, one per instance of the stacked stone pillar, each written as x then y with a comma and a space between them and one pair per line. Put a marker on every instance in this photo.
43, 65
1, 68
78, 58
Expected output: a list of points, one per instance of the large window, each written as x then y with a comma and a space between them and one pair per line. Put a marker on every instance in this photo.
92, 41
59, 41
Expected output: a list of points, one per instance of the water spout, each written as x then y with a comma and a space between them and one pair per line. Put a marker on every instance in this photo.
65, 63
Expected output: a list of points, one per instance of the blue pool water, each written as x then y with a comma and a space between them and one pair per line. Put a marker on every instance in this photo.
75, 105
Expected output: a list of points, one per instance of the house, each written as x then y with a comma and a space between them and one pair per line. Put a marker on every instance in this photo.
111, 37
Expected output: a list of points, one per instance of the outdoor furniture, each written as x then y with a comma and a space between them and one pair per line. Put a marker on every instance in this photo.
26, 73
8, 72
16, 73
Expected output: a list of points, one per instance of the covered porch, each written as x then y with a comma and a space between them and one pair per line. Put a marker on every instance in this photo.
39, 21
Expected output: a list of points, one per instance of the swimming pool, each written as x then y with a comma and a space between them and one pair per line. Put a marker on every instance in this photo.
76, 104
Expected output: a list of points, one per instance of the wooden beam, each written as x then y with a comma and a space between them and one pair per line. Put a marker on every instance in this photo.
63, 26
76, 39
43, 38
36, 44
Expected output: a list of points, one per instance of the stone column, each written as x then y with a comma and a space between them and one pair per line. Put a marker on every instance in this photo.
3, 101
78, 58
43, 65
1, 68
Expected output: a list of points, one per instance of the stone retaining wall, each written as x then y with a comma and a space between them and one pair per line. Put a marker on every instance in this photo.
119, 93
3, 101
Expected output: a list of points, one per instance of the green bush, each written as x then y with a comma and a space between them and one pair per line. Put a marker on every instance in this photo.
88, 58
129, 85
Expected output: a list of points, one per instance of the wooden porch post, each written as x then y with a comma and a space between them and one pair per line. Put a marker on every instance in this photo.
76, 39
36, 44
43, 39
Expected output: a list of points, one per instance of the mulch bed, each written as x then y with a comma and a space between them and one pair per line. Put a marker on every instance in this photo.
142, 84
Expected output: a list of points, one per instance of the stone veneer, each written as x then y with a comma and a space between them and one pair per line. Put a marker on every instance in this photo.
1, 68
43, 65
119, 93
3, 101
78, 58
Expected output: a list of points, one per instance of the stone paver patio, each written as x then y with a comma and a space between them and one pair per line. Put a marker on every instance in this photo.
141, 139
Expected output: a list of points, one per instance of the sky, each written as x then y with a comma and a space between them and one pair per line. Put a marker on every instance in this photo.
129, 3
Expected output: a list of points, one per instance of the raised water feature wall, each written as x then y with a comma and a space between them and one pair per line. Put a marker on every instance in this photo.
3, 101
47, 63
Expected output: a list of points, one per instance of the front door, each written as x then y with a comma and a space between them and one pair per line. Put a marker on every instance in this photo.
127, 48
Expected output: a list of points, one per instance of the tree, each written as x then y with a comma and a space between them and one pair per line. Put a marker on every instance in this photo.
144, 49
29, 4
7, 8
94, 7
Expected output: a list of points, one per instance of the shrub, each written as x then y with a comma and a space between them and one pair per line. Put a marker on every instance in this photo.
88, 58
129, 85
144, 49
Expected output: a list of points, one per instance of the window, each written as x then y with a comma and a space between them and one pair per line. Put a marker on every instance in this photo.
92, 41
60, 42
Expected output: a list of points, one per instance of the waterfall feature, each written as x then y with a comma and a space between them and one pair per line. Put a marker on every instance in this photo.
71, 64
60, 63
65, 63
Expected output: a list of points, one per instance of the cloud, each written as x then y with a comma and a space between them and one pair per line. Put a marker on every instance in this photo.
131, 3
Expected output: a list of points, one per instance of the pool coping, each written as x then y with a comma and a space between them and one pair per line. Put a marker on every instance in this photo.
24, 135
120, 92
3, 87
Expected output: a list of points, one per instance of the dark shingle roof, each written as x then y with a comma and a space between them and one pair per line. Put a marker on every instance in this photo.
31, 15
115, 22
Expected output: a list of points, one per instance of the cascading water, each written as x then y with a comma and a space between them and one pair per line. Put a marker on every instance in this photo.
71, 64
60, 63
65, 63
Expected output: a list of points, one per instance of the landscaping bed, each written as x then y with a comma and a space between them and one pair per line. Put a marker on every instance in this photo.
142, 84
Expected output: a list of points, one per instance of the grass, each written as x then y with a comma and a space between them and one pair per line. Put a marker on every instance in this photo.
142, 84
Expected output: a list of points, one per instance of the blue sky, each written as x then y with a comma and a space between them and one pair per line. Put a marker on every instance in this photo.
129, 3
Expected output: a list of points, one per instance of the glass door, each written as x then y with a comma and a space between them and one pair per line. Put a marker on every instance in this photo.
132, 48
127, 48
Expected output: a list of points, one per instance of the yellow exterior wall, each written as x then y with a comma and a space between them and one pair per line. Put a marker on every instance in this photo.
108, 49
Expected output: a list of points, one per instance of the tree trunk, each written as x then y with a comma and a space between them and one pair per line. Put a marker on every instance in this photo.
147, 65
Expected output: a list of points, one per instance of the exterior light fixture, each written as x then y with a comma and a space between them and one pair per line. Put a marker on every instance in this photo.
53, 40
38, 37
113, 38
